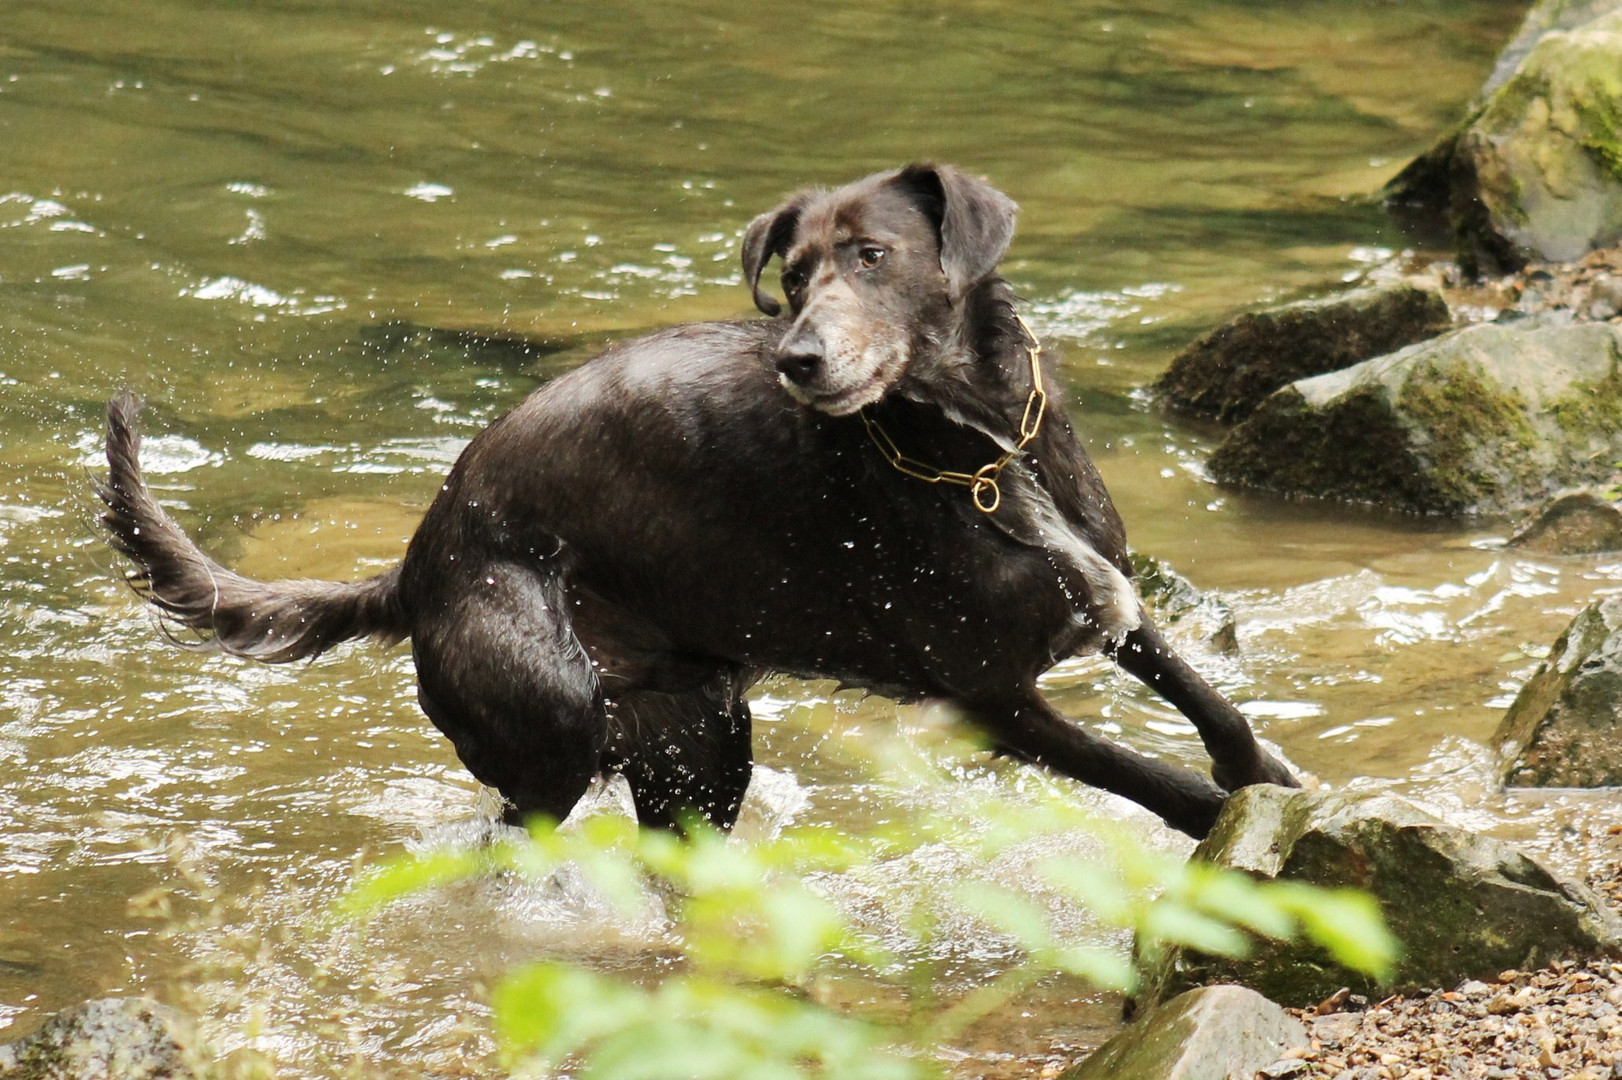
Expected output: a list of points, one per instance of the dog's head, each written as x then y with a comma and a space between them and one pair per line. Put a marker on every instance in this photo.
873, 271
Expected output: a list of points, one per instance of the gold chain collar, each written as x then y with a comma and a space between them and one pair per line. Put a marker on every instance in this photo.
982, 483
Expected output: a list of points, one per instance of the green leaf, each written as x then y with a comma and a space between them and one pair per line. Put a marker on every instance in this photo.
1106, 969
748, 914
801, 928
1094, 887
409, 875
1347, 923
550, 1010
1013, 914
1238, 899
1174, 924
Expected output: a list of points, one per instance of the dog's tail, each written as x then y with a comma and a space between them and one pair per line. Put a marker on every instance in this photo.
272, 621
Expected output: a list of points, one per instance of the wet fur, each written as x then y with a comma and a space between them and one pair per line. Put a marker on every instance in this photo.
612, 564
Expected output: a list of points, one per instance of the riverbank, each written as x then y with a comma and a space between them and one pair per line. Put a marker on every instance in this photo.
1563, 1022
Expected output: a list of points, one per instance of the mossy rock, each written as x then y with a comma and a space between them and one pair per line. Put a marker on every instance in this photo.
1576, 523
1462, 905
107, 1039
1490, 419
1228, 372
1207, 1034
1545, 18
1534, 172
1564, 728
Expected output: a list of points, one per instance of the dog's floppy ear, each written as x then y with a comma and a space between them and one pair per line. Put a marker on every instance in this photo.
770, 234
975, 221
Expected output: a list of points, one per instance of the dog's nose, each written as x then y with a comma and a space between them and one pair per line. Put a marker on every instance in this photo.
799, 354
797, 366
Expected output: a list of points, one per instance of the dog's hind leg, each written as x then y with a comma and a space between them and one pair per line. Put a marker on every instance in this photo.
1034, 731
1237, 760
685, 754
501, 674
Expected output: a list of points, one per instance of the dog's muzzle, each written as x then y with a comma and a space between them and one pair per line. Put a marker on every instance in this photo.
799, 356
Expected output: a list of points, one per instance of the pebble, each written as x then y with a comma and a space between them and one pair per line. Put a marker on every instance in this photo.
1589, 290
1561, 1023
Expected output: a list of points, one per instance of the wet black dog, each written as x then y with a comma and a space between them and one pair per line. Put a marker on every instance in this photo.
871, 488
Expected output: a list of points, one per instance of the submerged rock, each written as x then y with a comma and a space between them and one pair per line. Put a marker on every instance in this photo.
1535, 170
1172, 598
1207, 1034
1462, 905
1489, 419
1226, 374
1577, 523
106, 1039
1565, 726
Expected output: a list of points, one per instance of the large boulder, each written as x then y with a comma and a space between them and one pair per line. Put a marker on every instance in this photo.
1565, 726
1576, 523
1534, 172
1462, 905
1226, 374
1489, 419
1207, 1034
106, 1039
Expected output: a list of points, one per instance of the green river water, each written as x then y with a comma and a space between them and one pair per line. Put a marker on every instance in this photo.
248, 213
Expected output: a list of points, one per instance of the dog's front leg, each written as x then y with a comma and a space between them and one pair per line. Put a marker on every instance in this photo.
1030, 729
685, 755
1237, 760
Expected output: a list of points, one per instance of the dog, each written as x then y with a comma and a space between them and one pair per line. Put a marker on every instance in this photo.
874, 486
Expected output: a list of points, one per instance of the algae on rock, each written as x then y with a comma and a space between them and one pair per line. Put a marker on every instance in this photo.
1576, 523
1534, 172
1206, 1034
1489, 419
107, 1039
1461, 904
1545, 18
1229, 371
1564, 728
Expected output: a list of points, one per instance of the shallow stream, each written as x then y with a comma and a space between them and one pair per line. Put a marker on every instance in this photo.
249, 213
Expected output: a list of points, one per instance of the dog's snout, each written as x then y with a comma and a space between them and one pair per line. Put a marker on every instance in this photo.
799, 354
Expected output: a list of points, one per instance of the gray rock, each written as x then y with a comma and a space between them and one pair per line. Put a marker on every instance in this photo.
1172, 598
1207, 1034
1226, 374
1489, 419
1535, 170
106, 1039
1565, 726
1544, 19
1577, 523
1462, 905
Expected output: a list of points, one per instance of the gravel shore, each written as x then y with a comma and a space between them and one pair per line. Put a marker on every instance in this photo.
1560, 1023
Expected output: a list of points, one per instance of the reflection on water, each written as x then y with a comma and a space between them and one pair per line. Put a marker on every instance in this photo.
276, 221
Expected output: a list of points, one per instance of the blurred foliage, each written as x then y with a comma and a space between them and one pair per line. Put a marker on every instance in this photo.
757, 930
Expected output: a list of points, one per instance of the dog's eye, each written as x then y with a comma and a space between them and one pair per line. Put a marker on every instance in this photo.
870, 256
793, 280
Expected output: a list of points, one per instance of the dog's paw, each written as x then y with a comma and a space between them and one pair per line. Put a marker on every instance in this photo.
1263, 769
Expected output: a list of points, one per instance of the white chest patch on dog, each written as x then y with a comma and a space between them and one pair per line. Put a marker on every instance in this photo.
1110, 607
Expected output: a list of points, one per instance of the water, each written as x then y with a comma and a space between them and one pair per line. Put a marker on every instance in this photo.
249, 213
